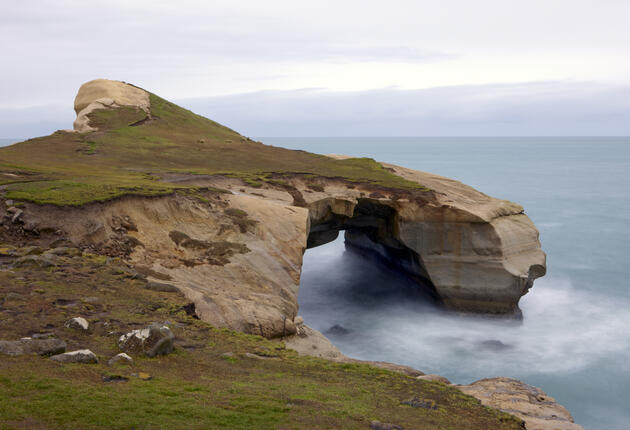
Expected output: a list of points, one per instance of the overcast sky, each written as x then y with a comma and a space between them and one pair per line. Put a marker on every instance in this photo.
295, 68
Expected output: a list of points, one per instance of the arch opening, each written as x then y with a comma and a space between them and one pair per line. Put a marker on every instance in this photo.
370, 232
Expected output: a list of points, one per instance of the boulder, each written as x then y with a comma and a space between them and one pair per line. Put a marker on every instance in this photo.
29, 345
121, 358
531, 404
152, 341
77, 323
84, 356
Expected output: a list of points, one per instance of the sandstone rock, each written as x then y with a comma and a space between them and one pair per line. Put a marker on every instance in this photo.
435, 378
161, 287
29, 345
84, 356
122, 359
77, 323
104, 94
152, 341
532, 405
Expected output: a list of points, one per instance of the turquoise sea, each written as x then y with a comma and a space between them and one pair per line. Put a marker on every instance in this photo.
574, 340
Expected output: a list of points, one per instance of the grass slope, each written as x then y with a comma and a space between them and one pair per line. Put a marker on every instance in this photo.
129, 150
196, 386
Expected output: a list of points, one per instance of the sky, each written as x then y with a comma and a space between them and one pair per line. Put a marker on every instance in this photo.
330, 68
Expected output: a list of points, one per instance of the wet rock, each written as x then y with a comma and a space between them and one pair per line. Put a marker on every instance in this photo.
77, 323
377, 425
29, 345
416, 402
152, 341
84, 356
494, 345
337, 330
434, 378
122, 359
161, 287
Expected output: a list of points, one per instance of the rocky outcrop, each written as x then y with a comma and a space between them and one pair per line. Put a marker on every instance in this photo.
531, 404
106, 94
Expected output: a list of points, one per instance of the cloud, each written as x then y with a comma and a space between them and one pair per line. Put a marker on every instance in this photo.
540, 108
529, 109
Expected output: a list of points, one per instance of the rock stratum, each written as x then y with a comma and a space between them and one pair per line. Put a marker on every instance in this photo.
195, 206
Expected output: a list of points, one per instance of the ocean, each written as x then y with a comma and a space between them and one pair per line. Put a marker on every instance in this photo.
574, 340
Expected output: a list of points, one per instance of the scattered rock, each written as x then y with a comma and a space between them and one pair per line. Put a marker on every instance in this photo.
84, 356
161, 287
338, 330
416, 402
17, 213
435, 378
377, 425
77, 323
29, 345
8, 203
122, 359
227, 355
152, 341
115, 378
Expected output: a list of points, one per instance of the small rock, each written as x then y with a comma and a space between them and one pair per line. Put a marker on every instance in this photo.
152, 341
227, 355
29, 345
416, 402
16, 216
8, 203
377, 425
84, 356
144, 376
77, 323
115, 378
121, 358
338, 330
435, 378
158, 286
494, 345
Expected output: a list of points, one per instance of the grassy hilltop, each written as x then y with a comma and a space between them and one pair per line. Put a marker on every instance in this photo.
131, 149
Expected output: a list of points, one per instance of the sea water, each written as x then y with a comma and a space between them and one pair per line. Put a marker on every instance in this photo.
574, 340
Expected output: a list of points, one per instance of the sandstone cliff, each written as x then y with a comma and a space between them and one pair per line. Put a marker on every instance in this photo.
226, 220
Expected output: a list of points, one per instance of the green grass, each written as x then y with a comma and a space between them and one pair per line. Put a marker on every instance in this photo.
122, 158
195, 386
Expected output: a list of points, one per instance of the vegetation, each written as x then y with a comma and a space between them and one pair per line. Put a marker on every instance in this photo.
215, 378
131, 151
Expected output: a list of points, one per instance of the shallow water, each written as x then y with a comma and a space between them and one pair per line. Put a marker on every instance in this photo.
574, 340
